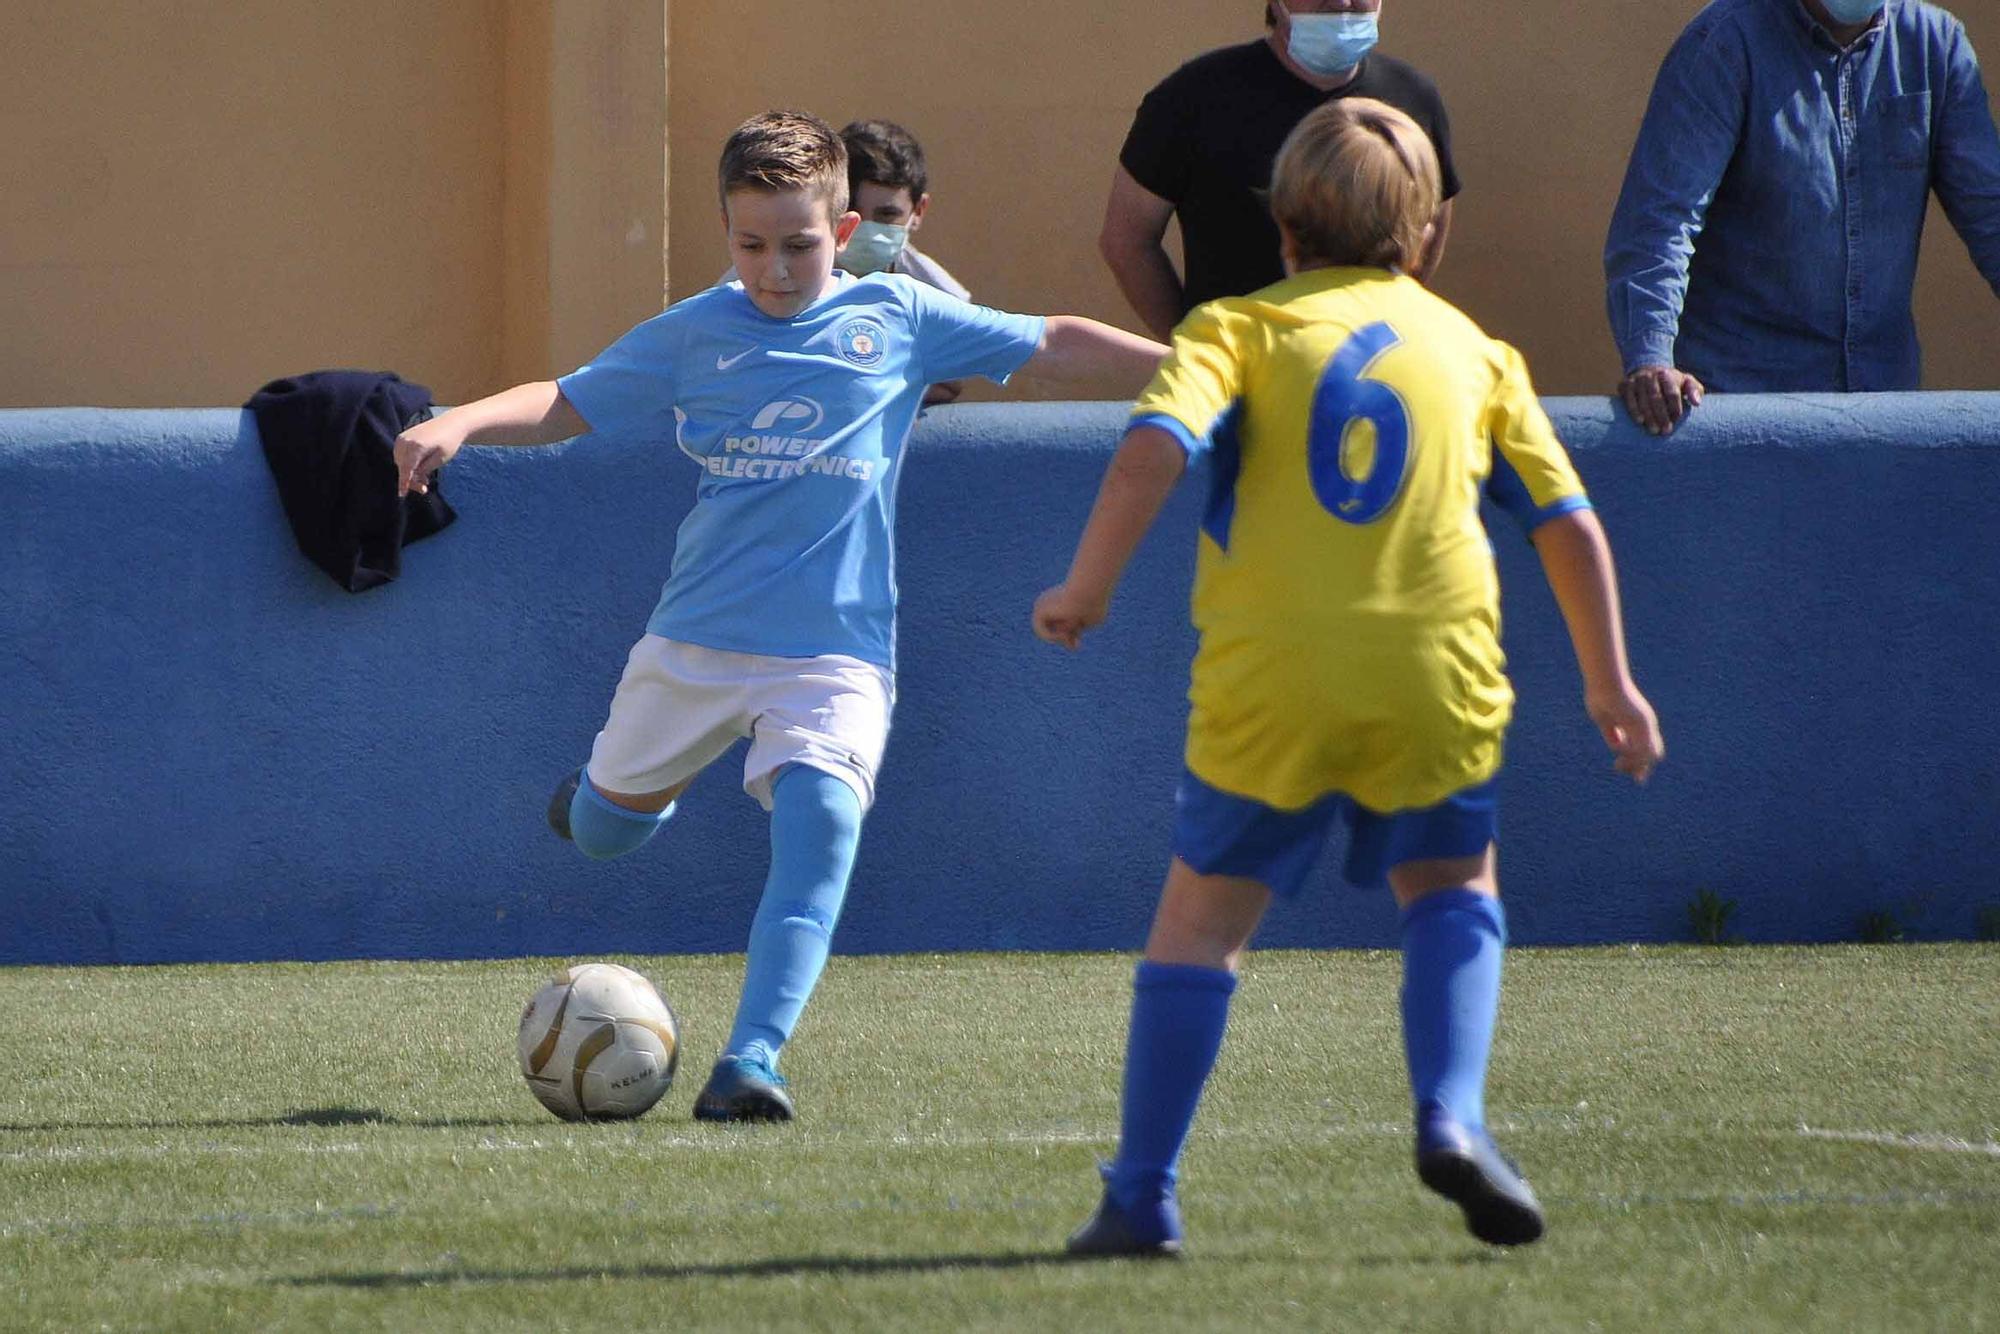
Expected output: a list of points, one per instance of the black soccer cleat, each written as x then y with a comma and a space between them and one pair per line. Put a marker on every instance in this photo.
1152, 1232
559, 801
740, 1089
1467, 1168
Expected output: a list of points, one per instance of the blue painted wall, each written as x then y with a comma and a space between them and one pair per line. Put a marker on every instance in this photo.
211, 752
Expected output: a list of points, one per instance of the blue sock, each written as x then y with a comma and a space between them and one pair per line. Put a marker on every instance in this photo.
815, 828
1452, 943
602, 829
1179, 1012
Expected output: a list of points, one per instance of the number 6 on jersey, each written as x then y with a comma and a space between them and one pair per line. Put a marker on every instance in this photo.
1342, 400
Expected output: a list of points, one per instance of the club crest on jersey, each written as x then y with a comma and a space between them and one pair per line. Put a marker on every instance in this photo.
862, 342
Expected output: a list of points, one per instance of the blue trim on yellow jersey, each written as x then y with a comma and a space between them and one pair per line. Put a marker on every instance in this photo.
1194, 445
1224, 447
1225, 444
1505, 488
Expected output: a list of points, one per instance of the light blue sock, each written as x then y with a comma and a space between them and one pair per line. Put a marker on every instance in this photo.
815, 828
1453, 941
1179, 1012
602, 829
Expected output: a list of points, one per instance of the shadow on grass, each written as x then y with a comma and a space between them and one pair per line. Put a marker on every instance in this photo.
779, 1267
305, 1116
788, 1267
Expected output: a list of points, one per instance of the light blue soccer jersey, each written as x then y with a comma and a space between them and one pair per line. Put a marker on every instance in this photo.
798, 426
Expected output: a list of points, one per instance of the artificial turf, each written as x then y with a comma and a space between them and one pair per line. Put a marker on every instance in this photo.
1726, 1139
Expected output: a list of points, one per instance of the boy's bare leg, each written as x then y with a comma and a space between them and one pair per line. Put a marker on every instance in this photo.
1205, 920
648, 803
1412, 880
605, 824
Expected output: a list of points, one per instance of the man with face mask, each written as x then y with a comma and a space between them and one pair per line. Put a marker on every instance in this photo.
1202, 146
1766, 238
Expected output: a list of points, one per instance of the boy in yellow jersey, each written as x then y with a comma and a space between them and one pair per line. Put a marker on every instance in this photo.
1350, 667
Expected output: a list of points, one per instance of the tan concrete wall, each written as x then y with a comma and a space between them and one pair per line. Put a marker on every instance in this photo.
584, 199
1022, 107
607, 198
198, 197
201, 197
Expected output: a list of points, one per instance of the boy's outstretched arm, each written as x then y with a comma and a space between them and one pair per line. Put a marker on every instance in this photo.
1076, 350
527, 414
1577, 559
1142, 474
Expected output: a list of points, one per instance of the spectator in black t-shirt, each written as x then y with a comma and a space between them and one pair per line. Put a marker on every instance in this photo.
1204, 140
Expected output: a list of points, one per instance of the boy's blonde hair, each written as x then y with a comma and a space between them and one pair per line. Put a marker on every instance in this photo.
786, 150
1356, 182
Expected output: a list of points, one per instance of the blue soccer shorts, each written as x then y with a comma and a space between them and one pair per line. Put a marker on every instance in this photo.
1220, 833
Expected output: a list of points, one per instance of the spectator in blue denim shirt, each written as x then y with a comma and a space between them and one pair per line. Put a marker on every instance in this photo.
1766, 237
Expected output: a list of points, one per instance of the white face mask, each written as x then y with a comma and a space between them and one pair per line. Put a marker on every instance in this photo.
1327, 44
874, 247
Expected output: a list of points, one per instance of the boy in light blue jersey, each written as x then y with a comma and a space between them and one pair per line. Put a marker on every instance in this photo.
793, 388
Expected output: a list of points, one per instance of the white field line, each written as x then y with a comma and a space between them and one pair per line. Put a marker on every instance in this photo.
649, 1141
1891, 1140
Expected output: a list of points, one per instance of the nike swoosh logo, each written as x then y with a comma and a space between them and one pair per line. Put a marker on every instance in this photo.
724, 363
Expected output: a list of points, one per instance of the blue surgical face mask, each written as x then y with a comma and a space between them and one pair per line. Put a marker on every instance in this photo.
1853, 11
1327, 44
873, 247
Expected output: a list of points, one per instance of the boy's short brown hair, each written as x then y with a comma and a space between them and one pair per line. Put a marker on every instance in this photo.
786, 150
1356, 182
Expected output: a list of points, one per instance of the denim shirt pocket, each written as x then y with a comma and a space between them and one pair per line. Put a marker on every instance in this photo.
1902, 131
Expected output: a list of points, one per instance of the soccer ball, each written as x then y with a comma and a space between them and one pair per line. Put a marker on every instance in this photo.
598, 1043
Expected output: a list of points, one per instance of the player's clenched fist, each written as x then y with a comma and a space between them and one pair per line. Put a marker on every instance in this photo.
1630, 728
1062, 614
419, 453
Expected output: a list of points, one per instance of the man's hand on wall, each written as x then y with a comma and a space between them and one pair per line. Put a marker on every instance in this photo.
1659, 396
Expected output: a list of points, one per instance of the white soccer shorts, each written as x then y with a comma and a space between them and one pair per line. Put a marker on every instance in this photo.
679, 706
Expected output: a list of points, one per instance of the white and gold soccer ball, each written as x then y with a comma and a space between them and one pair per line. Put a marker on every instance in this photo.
599, 1043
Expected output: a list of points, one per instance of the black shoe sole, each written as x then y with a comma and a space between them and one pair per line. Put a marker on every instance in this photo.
1106, 1235
1496, 1218
1166, 1250
743, 1109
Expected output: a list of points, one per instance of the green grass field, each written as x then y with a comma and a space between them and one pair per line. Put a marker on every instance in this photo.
1726, 1139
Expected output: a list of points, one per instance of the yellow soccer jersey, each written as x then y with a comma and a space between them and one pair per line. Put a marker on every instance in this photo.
1345, 592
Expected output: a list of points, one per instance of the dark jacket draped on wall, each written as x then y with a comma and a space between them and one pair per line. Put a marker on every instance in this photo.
328, 437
